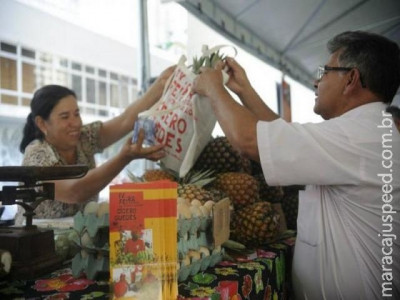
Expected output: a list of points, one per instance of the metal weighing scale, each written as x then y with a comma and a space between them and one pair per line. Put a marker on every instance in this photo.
32, 248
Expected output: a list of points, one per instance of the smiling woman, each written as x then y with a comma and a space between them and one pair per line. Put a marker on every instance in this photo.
46, 140
55, 136
63, 128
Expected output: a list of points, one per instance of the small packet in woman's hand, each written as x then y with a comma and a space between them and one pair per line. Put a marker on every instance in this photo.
149, 131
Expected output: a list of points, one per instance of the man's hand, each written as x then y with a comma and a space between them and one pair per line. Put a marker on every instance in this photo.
209, 82
238, 81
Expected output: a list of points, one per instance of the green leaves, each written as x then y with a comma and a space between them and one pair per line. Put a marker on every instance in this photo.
206, 61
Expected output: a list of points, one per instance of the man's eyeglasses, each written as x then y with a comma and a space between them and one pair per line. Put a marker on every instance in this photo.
322, 70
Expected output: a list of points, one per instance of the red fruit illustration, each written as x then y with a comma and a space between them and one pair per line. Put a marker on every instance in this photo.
62, 283
134, 245
120, 287
247, 286
268, 293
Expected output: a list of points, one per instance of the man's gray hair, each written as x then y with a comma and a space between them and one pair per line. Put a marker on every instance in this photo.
376, 57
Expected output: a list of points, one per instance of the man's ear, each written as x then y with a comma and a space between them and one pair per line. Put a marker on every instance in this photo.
353, 80
397, 123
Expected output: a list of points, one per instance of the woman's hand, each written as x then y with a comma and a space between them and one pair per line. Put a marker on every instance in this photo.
155, 91
79, 190
118, 127
132, 151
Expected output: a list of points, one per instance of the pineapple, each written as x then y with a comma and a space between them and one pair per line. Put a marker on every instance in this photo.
190, 187
158, 174
273, 194
241, 188
268, 193
216, 193
290, 204
256, 167
219, 156
193, 191
199, 178
255, 224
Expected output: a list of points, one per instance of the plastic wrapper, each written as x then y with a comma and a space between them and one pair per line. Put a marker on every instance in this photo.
149, 127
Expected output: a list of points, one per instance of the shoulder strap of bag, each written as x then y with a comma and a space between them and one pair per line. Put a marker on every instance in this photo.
208, 51
152, 111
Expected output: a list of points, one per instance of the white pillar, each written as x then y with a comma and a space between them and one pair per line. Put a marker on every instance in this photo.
143, 47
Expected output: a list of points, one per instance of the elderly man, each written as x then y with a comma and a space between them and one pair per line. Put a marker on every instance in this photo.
346, 246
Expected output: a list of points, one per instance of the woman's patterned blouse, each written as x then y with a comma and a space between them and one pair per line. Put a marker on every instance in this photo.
41, 153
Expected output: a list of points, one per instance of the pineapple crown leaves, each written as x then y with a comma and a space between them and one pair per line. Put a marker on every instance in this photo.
206, 61
199, 178
197, 64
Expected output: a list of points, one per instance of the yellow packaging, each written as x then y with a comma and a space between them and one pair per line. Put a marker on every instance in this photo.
143, 240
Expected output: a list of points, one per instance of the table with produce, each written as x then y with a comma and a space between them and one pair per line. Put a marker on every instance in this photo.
204, 225
253, 264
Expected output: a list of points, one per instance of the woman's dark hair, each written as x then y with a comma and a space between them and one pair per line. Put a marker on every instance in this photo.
376, 57
42, 104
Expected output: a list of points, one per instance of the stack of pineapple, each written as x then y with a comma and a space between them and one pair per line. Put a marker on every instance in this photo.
254, 219
222, 172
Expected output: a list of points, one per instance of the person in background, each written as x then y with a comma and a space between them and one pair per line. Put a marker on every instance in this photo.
394, 109
54, 136
135, 244
346, 246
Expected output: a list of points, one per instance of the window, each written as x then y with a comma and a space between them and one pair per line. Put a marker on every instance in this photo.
63, 63
28, 53
8, 48
102, 93
77, 86
103, 113
124, 96
90, 91
28, 78
99, 91
44, 75
89, 70
26, 101
90, 111
45, 58
61, 78
7, 99
114, 95
102, 73
114, 76
76, 66
124, 91
8, 73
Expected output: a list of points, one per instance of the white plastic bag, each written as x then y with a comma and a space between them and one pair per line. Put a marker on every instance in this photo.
183, 120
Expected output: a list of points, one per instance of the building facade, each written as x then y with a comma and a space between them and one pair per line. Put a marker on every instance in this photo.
37, 48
